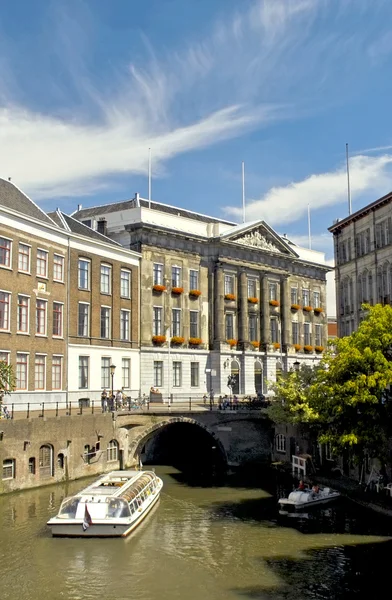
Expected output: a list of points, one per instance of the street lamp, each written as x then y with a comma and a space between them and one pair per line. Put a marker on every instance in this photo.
112, 370
296, 365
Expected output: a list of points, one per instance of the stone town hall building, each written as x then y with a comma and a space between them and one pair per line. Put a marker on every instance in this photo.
216, 298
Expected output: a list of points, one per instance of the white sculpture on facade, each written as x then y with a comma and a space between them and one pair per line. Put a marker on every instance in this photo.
257, 240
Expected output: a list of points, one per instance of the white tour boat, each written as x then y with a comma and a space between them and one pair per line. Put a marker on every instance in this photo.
303, 499
112, 506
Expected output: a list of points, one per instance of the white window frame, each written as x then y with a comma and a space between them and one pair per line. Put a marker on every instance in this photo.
158, 373
88, 319
195, 381
307, 334
127, 336
273, 330
229, 283
28, 271
280, 443
40, 378
316, 299
176, 322
157, 310
230, 315
109, 322
126, 373
58, 357
9, 265
252, 287
39, 259
295, 338
197, 335
306, 297
82, 366
157, 273
9, 305
176, 276
87, 261
177, 373
129, 283
106, 361
61, 334
17, 378
193, 273
45, 303
318, 334
294, 294
7, 463
5, 357
273, 290
103, 290
18, 329
112, 451
55, 265
252, 317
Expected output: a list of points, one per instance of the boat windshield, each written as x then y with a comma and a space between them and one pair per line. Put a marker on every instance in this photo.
68, 508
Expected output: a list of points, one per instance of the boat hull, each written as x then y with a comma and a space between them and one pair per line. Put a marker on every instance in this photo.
289, 505
64, 528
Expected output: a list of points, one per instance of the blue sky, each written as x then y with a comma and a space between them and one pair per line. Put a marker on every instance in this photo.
87, 87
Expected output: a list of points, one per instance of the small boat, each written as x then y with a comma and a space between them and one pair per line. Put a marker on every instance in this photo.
304, 499
113, 506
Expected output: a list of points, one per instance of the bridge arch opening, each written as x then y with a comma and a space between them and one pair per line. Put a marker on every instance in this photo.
185, 445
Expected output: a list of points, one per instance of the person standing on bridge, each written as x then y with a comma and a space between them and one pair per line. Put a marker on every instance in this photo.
104, 400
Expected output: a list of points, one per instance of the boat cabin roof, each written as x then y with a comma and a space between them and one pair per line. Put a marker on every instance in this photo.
112, 484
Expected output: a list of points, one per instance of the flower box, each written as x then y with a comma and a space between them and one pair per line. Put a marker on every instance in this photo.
319, 348
195, 341
295, 306
307, 309
231, 343
158, 339
276, 345
159, 288
253, 300
274, 303
318, 311
297, 347
195, 293
256, 345
229, 296
177, 290
308, 348
177, 340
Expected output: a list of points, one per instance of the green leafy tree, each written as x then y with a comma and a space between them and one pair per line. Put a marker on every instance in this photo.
347, 399
7, 379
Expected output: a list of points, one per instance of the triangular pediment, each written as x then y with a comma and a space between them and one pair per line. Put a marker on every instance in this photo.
259, 236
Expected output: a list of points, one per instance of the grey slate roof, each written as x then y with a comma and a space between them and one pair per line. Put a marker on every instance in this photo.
65, 221
93, 211
12, 197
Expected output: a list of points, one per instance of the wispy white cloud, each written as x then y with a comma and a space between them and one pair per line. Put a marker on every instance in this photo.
288, 204
250, 70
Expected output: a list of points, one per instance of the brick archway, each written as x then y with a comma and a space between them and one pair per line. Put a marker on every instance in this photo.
148, 431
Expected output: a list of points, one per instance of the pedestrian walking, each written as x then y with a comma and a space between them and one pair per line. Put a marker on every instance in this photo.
104, 400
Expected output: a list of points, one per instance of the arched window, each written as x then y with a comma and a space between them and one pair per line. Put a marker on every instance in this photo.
46, 461
60, 461
112, 451
258, 377
280, 443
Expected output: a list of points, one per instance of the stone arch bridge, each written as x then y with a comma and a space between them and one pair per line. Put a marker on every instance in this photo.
238, 437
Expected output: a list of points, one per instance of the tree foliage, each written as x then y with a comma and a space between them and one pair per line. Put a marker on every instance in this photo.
347, 399
7, 379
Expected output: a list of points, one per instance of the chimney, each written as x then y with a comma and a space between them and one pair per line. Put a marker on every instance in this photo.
79, 207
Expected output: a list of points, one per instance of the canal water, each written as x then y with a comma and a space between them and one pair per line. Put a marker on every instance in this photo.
204, 541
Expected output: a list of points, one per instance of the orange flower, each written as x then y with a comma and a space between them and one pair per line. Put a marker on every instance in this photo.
195, 293
177, 290
274, 302
229, 296
159, 288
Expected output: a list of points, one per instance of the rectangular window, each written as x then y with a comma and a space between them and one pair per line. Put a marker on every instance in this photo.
21, 371
176, 322
274, 330
39, 372
57, 371
125, 283
253, 328
106, 274
193, 324
229, 326
177, 372
57, 319
229, 284
8, 468
252, 288
157, 274
23, 314
316, 300
273, 291
83, 319
294, 295
84, 274
5, 252
24, 258
83, 372
58, 267
176, 276
195, 374
193, 279
295, 332
42, 263
158, 373
318, 335
5, 302
157, 320
40, 318
124, 325
307, 339
105, 372
126, 373
5, 357
306, 297
105, 322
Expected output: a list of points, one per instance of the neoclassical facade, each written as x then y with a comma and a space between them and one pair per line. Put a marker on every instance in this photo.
363, 259
217, 299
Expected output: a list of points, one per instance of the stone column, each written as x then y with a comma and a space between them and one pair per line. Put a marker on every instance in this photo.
285, 313
243, 308
265, 310
219, 308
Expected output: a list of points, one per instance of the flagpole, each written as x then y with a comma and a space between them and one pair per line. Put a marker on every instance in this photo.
149, 178
309, 233
243, 192
348, 181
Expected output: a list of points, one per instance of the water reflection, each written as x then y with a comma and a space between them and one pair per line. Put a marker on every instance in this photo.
216, 539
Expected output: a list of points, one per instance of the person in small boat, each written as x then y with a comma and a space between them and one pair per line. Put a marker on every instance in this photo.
301, 486
315, 490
